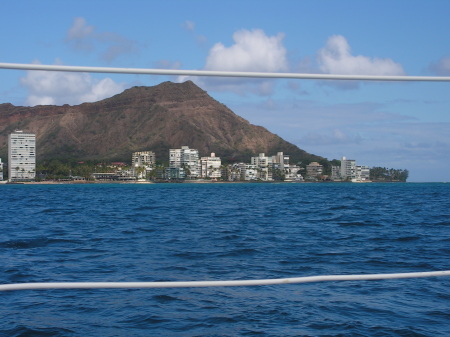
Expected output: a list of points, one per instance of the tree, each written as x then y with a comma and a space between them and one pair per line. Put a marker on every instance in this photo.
139, 170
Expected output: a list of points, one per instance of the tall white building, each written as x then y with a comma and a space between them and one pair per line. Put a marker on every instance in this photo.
175, 157
186, 158
210, 166
1, 169
22, 156
348, 169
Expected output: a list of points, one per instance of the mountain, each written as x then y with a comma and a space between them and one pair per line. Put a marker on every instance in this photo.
168, 115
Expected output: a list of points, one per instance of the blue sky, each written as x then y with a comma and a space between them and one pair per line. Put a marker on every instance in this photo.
389, 124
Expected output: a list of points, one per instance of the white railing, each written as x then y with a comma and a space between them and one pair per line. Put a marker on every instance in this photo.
144, 71
233, 283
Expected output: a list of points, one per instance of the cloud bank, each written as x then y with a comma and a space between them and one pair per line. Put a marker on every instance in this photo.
336, 58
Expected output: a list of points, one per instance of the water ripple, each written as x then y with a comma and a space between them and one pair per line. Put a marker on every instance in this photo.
185, 232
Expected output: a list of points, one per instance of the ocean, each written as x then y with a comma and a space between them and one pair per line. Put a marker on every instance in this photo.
187, 232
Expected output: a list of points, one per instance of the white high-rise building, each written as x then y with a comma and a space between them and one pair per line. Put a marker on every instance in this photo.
186, 158
22, 156
1, 169
348, 169
210, 166
175, 158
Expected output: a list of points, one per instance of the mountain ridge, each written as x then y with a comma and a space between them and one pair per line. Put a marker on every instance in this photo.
156, 118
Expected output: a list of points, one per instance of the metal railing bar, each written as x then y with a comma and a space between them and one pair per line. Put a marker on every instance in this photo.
232, 283
144, 71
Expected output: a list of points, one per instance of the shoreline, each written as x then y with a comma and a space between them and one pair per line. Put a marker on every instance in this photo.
83, 182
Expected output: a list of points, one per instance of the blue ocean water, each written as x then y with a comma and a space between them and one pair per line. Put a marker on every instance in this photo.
184, 232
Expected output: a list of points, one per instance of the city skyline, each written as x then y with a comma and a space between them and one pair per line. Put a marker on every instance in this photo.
186, 162
390, 124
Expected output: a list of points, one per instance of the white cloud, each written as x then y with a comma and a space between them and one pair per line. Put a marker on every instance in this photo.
252, 51
80, 29
57, 88
84, 37
442, 67
336, 58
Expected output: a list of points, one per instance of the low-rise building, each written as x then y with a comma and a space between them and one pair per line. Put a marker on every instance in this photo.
362, 174
292, 173
175, 173
250, 172
314, 170
113, 176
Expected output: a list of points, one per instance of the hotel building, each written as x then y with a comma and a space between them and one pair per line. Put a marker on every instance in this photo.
21, 156
348, 169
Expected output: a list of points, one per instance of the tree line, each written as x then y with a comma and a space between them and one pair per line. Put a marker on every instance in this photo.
385, 174
56, 169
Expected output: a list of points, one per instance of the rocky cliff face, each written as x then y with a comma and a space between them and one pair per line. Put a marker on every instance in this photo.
157, 118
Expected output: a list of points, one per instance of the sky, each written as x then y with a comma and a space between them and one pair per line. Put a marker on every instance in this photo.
402, 125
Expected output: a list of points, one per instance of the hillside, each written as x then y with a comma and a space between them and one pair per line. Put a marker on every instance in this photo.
156, 118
